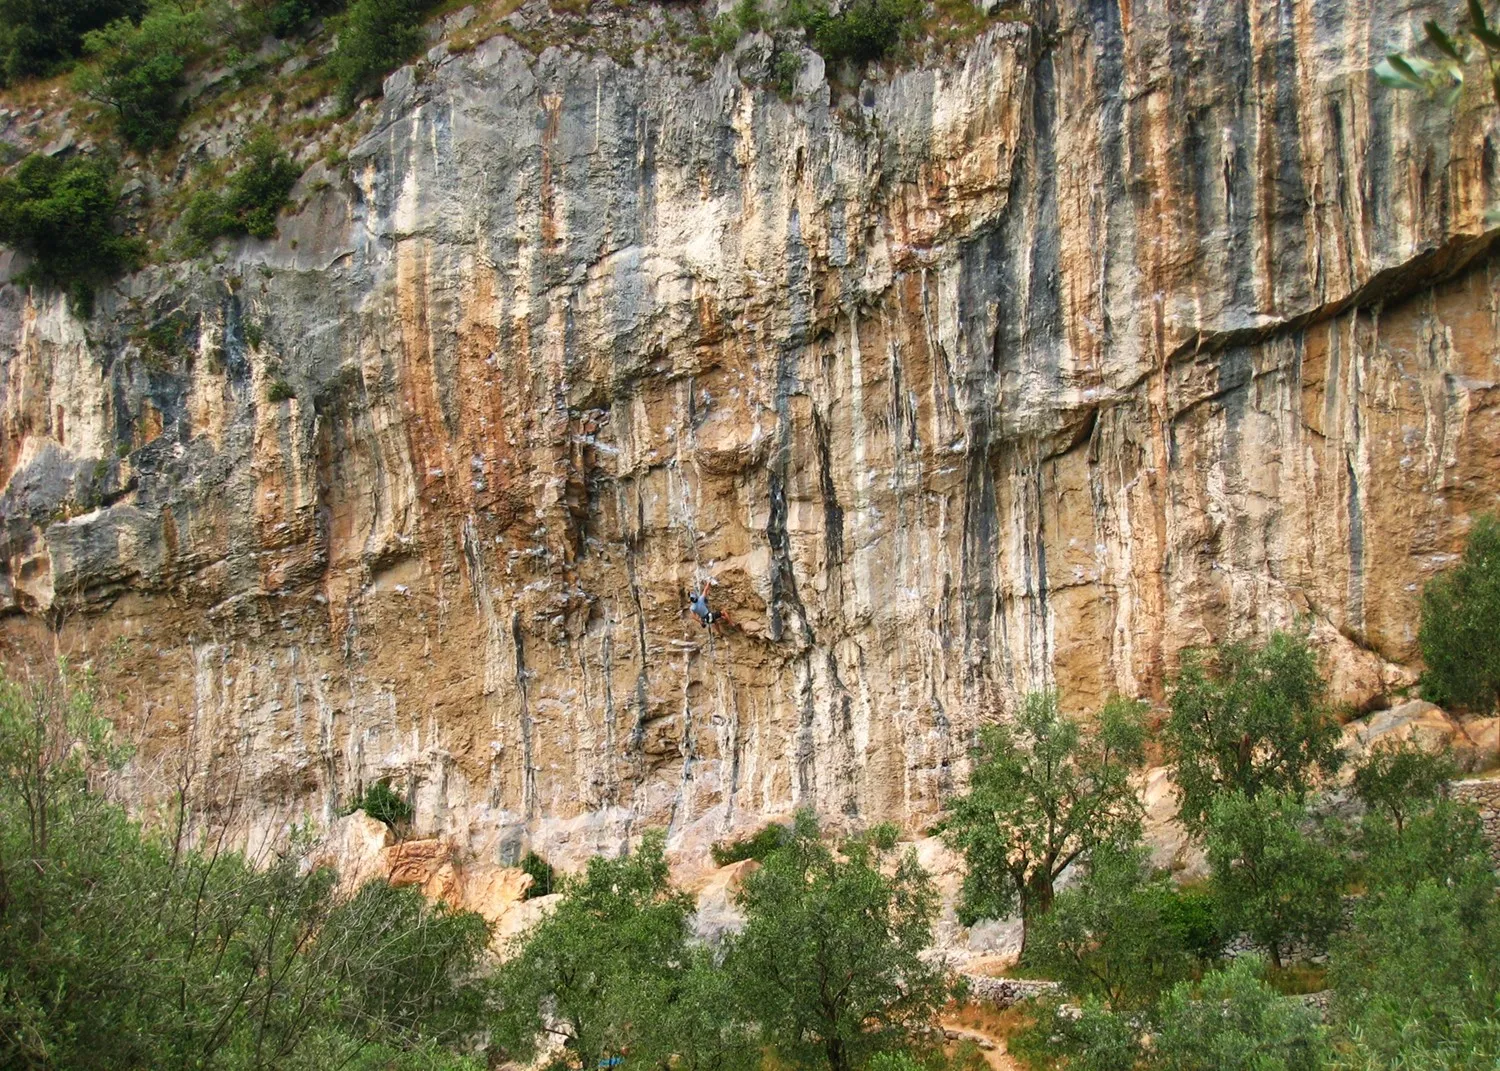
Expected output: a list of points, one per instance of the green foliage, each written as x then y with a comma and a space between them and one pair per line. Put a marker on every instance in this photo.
786, 66
37, 37
1192, 916
1044, 792
829, 961
1398, 779
1273, 877
139, 70
687, 1021
543, 877
1109, 936
375, 37
379, 801
601, 968
288, 18
861, 31
1255, 721
1093, 1038
120, 949
1445, 843
1444, 77
1233, 1021
1460, 643
758, 846
1230, 1021
62, 215
1417, 979
251, 200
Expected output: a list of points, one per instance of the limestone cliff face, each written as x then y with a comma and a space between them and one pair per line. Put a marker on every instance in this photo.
1136, 326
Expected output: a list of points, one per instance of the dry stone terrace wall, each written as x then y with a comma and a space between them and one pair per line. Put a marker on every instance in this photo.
1484, 795
1133, 327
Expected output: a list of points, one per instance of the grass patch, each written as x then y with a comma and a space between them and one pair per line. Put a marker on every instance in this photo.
1296, 979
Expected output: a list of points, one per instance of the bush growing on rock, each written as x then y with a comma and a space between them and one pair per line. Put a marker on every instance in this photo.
375, 37
758, 846
543, 877
861, 31
139, 70
1458, 635
382, 803
62, 213
251, 200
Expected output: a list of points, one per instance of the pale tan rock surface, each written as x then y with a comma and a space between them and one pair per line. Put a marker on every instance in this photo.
1127, 329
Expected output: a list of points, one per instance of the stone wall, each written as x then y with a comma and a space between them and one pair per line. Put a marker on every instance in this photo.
1484, 794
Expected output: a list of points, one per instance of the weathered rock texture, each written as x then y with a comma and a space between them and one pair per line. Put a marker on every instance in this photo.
1136, 326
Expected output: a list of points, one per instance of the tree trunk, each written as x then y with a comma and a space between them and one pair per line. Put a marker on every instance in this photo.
1036, 900
838, 1059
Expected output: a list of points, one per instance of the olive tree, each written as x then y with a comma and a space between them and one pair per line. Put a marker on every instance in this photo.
1044, 792
829, 963
1249, 719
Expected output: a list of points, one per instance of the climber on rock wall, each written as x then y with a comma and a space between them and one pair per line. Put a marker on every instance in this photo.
699, 606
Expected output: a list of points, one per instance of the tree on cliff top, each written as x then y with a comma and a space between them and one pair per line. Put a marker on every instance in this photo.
1252, 719
1044, 792
1458, 635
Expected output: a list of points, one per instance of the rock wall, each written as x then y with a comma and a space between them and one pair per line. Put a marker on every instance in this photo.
1134, 326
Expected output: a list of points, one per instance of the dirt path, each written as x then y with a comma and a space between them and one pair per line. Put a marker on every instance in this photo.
992, 1049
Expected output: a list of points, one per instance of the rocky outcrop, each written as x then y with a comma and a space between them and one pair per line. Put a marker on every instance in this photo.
1130, 327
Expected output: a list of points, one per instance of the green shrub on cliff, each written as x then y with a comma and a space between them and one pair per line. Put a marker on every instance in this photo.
1460, 628
543, 877
382, 803
758, 845
61, 213
375, 37
140, 70
251, 200
861, 31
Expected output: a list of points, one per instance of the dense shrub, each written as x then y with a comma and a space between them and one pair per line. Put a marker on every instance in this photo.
1191, 916
62, 214
251, 200
382, 803
139, 71
123, 949
862, 31
39, 36
1458, 634
757, 846
543, 877
1108, 936
375, 37
287, 18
